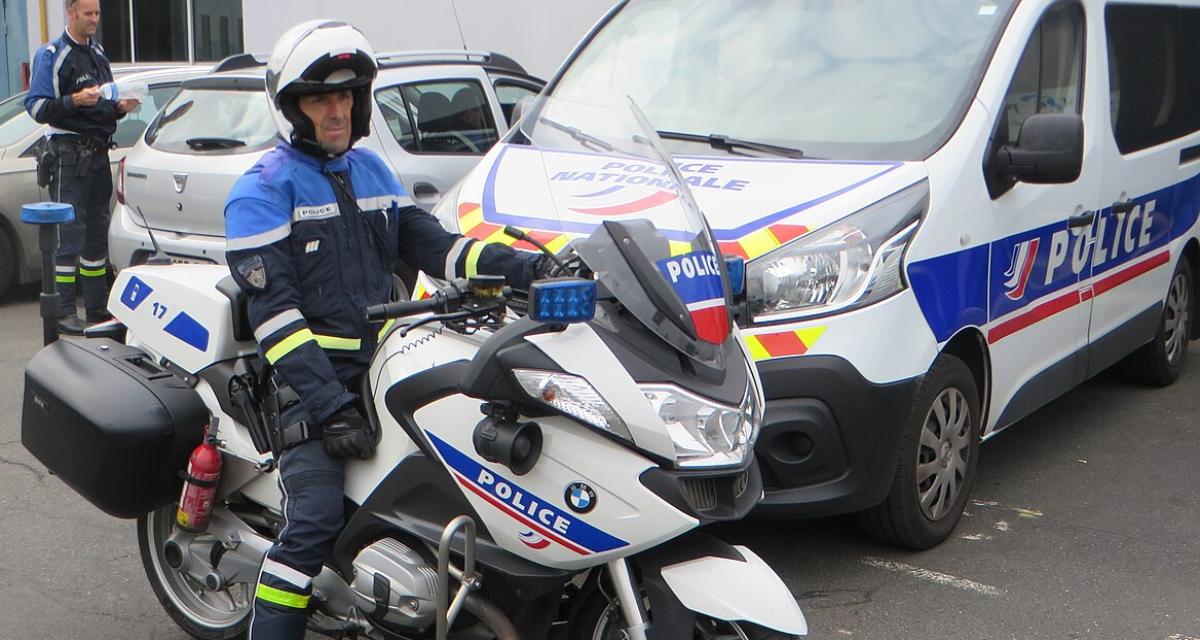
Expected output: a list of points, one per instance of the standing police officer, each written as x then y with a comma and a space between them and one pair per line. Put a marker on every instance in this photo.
64, 93
312, 231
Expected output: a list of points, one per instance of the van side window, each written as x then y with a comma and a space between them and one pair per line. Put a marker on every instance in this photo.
1154, 85
1049, 78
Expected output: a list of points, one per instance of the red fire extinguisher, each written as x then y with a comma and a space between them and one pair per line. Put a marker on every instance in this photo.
200, 484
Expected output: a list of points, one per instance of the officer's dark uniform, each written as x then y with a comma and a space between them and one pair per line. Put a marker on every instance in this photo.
312, 243
81, 137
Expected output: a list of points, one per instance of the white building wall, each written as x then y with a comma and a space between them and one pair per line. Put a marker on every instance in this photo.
537, 33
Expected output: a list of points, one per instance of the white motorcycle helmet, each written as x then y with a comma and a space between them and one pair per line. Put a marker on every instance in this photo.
313, 57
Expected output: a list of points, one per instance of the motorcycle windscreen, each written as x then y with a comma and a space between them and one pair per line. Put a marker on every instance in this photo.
641, 232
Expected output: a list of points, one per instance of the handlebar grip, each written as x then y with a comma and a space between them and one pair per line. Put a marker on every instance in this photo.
379, 312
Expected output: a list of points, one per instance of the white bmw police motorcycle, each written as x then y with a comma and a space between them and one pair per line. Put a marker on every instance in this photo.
542, 465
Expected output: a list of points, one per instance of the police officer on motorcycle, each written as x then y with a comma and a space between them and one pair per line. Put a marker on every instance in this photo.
64, 92
312, 233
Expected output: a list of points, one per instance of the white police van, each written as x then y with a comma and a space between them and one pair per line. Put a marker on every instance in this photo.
952, 211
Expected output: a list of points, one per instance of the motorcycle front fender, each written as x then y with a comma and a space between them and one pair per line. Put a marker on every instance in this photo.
699, 574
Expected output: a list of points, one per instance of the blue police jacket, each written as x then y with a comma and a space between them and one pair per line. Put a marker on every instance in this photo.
60, 69
313, 242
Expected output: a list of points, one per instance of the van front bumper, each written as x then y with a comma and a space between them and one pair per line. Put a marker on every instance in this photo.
830, 438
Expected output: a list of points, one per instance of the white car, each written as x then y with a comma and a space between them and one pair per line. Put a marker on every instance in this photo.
436, 114
20, 262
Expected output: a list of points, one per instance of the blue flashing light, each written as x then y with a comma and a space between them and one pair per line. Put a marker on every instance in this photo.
562, 301
47, 213
736, 266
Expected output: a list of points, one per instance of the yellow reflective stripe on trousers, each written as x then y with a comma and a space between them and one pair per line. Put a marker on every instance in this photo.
289, 344
386, 326
93, 273
338, 344
281, 597
472, 266
64, 279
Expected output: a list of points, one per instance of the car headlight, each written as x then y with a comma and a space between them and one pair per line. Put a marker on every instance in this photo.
851, 263
573, 396
706, 434
446, 209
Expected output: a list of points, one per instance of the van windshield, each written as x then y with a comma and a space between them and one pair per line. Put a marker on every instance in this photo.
851, 79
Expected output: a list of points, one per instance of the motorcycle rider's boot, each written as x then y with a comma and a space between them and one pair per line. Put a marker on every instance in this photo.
71, 325
96, 316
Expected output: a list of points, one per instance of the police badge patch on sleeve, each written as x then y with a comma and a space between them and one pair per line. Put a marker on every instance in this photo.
254, 272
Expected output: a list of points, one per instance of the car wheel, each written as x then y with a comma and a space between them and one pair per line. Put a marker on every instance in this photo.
8, 262
939, 453
1159, 362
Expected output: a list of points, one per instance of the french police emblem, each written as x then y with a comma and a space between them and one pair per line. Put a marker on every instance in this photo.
580, 497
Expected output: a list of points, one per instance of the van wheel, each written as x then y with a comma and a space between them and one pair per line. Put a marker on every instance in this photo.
1159, 362
8, 262
939, 453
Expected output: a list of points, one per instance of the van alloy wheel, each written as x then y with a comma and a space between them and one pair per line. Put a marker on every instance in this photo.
943, 455
1177, 317
938, 455
1160, 361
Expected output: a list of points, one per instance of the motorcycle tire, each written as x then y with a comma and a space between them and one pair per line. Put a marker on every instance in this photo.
204, 614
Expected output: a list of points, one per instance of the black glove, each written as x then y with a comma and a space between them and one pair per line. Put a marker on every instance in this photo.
542, 268
348, 435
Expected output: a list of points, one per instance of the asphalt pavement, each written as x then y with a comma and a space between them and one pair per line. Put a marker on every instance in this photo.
1084, 524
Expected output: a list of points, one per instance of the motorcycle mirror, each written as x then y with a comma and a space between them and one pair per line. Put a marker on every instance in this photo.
516, 446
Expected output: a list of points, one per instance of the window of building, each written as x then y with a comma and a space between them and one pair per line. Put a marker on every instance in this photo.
170, 30
448, 117
1154, 90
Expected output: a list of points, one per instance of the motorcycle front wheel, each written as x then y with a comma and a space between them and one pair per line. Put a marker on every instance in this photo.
601, 619
222, 614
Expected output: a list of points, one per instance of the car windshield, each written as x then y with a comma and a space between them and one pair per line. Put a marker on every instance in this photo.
15, 124
851, 79
213, 121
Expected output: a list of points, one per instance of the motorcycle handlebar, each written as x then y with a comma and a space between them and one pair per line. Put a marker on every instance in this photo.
378, 312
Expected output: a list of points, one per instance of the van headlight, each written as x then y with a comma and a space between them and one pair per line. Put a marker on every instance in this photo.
707, 434
851, 263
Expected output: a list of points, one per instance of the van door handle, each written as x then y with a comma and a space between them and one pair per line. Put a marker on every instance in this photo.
424, 190
1081, 219
1123, 207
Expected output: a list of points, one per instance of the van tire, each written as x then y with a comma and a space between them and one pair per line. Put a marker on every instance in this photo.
1159, 362
946, 396
8, 261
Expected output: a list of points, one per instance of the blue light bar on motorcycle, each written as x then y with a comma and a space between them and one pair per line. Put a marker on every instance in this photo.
736, 267
562, 301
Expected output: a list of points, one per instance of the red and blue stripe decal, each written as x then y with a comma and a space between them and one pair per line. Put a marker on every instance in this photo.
543, 523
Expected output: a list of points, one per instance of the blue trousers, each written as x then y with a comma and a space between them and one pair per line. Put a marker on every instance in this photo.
81, 260
314, 513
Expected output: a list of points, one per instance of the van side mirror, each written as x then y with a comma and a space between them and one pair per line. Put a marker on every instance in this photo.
1049, 150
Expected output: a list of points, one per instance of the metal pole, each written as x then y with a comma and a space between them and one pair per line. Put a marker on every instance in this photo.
47, 216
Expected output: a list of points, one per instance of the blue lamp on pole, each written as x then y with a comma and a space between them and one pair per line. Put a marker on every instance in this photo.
47, 216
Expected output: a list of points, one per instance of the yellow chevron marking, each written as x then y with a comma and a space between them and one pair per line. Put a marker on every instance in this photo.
757, 350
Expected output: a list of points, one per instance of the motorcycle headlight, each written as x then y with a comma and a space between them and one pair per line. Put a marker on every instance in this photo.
707, 434
851, 263
574, 397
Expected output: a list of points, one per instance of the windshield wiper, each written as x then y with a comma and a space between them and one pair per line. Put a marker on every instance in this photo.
718, 141
588, 140
204, 144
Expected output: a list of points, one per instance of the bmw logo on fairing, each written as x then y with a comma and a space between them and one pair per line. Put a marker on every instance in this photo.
580, 497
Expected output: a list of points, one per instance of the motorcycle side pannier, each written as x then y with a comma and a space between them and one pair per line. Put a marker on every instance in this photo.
110, 422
